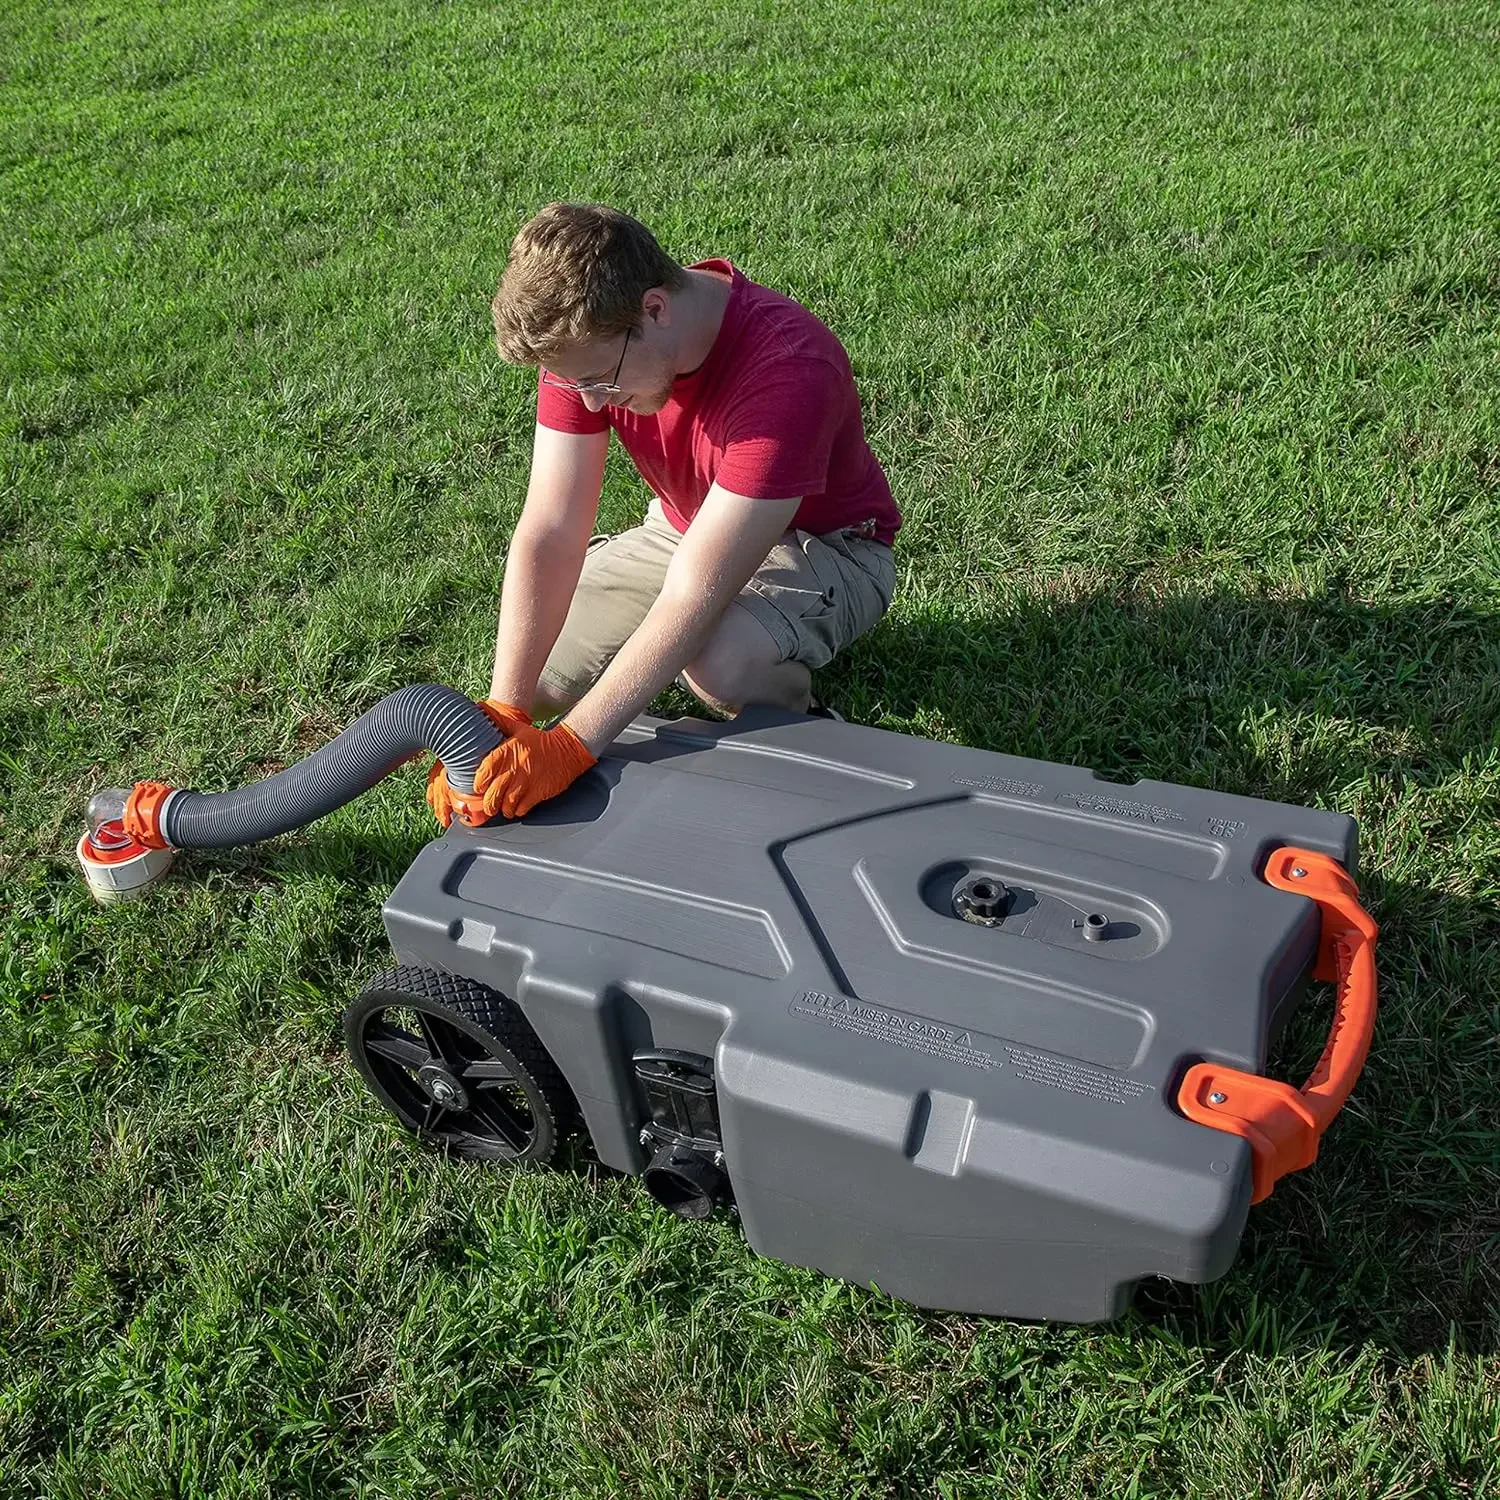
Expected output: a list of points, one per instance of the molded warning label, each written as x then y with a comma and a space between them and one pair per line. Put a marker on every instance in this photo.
955, 1044
1076, 1077
915, 1032
1121, 807
1004, 784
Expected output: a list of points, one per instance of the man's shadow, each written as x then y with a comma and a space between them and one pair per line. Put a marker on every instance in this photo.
1394, 1234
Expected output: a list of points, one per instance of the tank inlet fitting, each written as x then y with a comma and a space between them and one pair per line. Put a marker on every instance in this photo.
1095, 927
982, 899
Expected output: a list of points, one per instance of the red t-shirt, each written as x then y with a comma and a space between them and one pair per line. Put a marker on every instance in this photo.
771, 413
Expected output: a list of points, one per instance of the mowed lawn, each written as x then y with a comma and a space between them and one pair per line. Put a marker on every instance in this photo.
1176, 328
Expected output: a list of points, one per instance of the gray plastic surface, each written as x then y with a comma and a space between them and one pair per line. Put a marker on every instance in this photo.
971, 1118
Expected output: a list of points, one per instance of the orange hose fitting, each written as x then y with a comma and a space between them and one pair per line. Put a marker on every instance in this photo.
142, 818
468, 807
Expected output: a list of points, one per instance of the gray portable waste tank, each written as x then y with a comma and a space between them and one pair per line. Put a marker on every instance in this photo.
976, 1030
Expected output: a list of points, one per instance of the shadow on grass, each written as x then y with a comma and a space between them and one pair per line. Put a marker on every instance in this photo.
1394, 1235
1194, 689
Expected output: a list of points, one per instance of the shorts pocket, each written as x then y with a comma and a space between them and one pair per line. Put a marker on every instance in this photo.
874, 560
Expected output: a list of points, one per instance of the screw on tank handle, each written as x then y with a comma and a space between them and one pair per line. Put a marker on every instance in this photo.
1284, 1125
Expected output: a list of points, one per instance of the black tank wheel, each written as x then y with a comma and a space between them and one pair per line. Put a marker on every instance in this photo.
457, 1063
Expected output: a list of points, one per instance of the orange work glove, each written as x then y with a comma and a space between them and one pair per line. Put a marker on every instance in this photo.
531, 766
508, 719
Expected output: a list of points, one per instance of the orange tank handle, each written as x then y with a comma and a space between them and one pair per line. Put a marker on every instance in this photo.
1284, 1125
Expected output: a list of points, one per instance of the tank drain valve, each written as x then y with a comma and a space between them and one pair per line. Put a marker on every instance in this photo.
982, 899
686, 1175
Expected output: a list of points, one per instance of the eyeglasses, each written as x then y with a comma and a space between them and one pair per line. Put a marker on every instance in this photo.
608, 387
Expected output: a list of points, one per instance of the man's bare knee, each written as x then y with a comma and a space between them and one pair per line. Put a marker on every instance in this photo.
710, 699
551, 700
721, 675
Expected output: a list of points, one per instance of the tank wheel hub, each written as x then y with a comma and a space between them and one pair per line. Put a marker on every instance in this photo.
442, 1086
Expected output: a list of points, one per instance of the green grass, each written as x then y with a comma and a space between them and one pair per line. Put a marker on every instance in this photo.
1176, 329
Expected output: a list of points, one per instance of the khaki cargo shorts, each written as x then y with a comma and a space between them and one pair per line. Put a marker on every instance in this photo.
813, 594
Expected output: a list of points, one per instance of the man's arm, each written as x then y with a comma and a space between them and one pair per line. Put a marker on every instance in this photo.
725, 543
545, 557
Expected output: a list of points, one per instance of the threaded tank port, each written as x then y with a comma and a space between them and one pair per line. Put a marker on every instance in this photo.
1095, 927
982, 899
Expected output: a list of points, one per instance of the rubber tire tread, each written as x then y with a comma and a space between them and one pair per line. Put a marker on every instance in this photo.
501, 1019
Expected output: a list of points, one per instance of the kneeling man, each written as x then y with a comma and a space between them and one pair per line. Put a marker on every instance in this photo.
766, 546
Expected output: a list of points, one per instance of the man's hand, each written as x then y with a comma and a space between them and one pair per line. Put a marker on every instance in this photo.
531, 766
508, 719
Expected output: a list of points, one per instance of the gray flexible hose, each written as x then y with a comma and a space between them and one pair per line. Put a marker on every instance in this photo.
425, 716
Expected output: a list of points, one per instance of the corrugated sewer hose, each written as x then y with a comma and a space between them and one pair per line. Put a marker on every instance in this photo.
133, 831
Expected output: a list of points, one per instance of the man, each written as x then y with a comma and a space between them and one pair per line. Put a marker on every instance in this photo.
766, 547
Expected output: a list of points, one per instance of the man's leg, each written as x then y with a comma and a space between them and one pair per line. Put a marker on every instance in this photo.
811, 598
742, 664
621, 577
